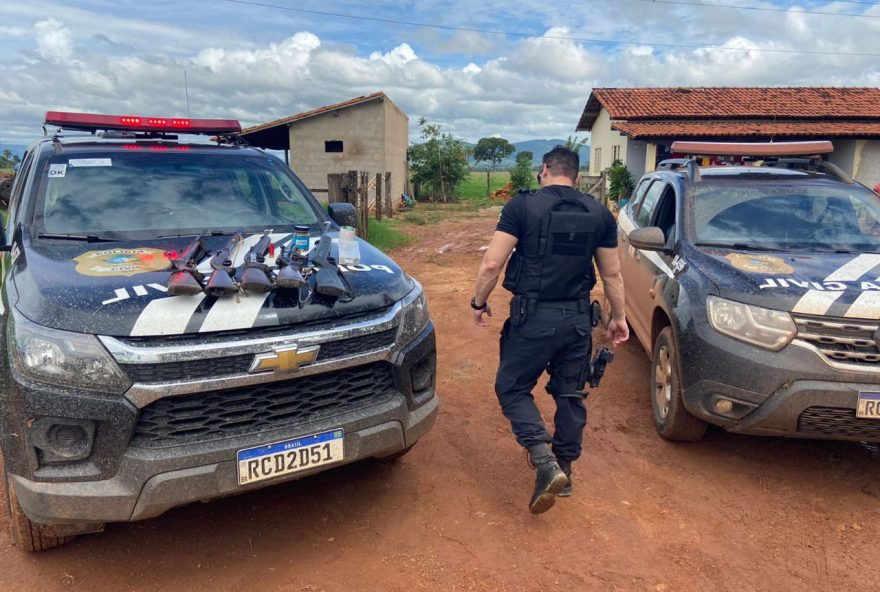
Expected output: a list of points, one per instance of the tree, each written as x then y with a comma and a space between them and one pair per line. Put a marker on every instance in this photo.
8, 160
439, 163
574, 143
522, 175
620, 181
493, 150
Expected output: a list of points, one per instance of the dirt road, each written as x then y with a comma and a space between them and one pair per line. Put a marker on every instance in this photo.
729, 513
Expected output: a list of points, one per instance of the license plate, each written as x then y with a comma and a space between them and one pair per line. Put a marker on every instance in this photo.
868, 405
291, 456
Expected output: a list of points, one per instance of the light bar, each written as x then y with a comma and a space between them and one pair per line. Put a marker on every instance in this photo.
92, 122
753, 148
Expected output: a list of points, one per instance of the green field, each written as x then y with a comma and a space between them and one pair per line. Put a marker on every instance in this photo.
385, 236
474, 186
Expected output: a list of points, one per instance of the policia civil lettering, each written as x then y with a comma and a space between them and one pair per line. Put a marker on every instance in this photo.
557, 234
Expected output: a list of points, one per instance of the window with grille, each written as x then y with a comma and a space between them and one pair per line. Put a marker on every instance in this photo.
597, 160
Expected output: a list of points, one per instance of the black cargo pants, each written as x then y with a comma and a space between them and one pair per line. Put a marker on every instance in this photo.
557, 338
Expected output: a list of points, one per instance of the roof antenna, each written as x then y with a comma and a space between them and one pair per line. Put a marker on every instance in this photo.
186, 91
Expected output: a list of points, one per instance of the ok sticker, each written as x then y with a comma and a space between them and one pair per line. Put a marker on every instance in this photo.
57, 170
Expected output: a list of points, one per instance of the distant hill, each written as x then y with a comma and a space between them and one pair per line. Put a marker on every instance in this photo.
537, 147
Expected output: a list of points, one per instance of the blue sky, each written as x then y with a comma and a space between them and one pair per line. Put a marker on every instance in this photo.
260, 60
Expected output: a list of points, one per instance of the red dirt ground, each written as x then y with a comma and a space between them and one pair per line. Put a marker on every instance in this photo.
730, 513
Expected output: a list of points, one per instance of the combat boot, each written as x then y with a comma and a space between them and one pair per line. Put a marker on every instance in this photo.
565, 465
549, 478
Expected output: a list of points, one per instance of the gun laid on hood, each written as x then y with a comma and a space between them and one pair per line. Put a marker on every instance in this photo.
222, 282
256, 276
185, 279
290, 269
327, 280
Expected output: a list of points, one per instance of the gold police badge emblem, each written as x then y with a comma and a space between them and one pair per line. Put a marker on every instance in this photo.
121, 262
765, 264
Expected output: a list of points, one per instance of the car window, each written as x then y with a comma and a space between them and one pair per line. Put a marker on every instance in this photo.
664, 213
801, 216
646, 208
133, 193
638, 194
17, 189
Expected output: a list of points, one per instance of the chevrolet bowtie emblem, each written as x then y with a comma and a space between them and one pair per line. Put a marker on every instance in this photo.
284, 359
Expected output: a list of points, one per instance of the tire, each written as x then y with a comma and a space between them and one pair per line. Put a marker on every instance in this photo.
26, 534
672, 420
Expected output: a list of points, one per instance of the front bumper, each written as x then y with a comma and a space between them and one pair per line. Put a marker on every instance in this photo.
794, 392
147, 483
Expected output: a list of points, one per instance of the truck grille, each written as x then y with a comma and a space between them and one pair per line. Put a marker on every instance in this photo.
253, 409
834, 421
214, 367
844, 341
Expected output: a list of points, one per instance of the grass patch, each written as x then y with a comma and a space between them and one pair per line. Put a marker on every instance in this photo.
474, 186
385, 236
428, 216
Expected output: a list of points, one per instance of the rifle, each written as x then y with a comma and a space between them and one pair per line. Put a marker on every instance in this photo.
327, 279
290, 269
222, 281
185, 279
256, 275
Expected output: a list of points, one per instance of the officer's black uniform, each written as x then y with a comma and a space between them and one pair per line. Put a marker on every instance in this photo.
550, 274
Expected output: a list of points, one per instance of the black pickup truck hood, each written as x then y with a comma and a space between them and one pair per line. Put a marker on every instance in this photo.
119, 289
824, 284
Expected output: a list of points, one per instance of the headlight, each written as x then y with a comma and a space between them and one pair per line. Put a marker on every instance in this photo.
764, 327
415, 314
61, 358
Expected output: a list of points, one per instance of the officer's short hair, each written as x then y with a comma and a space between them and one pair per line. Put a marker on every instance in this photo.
562, 161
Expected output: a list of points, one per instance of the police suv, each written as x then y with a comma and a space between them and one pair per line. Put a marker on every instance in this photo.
178, 327
756, 291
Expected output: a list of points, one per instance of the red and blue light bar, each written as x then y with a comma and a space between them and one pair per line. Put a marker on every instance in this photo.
136, 123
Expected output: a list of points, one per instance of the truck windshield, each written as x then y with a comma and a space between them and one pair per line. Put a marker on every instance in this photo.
785, 215
136, 194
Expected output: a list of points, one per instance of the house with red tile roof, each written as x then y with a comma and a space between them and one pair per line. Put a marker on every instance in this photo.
368, 133
638, 125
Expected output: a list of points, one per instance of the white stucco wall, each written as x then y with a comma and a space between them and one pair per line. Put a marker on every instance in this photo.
866, 168
604, 138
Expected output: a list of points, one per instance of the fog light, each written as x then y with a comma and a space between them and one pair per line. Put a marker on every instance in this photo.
723, 406
67, 441
422, 374
62, 440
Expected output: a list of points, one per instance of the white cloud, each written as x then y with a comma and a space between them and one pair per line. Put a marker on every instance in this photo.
54, 40
400, 55
472, 68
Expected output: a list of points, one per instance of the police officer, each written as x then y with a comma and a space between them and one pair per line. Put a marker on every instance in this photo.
557, 233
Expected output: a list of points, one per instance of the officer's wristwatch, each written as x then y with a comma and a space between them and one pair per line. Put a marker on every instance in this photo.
476, 307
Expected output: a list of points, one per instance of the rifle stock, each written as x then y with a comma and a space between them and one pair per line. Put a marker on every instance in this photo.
185, 279
327, 280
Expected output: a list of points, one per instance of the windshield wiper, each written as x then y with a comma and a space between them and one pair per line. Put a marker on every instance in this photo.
740, 246
89, 238
204, 232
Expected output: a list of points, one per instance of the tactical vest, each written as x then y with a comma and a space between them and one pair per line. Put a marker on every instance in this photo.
554, 260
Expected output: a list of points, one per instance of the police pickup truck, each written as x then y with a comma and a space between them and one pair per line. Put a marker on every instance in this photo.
178, 327
756, 292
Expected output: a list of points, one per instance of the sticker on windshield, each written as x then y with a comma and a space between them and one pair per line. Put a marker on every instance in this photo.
89, 162
57, 170
765, 264
117, 262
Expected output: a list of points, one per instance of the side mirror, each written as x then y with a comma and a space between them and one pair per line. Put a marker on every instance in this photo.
344, 214
649, 238
5, 191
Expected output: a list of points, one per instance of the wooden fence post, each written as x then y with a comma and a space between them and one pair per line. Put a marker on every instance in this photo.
388, 204
379, 196
335, 188
364, 207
